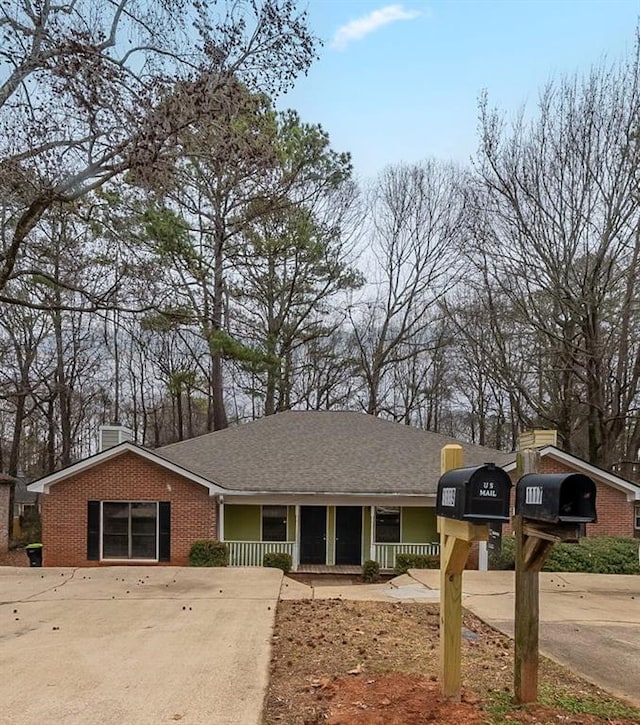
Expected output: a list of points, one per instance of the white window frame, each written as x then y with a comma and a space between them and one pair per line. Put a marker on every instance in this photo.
636, 518
286, 525
142, 561
375, 525
24, 507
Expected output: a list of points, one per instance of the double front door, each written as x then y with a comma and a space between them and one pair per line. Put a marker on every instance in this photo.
348, 535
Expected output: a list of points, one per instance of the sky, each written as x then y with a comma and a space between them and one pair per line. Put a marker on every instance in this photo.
400, 81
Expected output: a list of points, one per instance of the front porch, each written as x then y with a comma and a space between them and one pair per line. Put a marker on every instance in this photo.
251, 553
327, 539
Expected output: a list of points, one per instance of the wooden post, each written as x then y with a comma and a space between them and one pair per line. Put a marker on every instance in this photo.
533, 544
451, 456
456, 538
527, 602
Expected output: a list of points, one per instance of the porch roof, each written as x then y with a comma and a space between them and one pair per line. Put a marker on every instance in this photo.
322, 452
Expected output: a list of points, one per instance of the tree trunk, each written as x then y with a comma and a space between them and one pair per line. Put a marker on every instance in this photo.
217, 380
26, 223
62, 392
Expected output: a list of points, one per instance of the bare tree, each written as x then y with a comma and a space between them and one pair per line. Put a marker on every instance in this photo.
94, 90
422, 380
415, 242
556, 225
325, 377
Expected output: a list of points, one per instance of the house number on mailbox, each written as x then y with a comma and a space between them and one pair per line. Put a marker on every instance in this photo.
448, 497
533, 495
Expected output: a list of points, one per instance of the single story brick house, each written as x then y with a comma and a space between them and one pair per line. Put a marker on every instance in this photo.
329, 488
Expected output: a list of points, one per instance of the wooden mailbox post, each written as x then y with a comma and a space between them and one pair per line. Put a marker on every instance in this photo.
549, 508
468, 498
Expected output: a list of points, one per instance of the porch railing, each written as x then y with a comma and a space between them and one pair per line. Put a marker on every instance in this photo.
385, 554
251, 553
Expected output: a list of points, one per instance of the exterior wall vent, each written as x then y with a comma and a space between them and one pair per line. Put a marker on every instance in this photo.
538, 438
113, 435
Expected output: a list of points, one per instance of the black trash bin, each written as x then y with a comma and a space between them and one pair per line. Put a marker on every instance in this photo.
34, 552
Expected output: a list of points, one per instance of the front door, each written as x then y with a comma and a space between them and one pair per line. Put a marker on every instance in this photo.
349, 535
313, 535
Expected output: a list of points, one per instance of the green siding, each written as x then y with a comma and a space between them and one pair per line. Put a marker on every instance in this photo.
291, 523
418, 525
331, 535
242, 523
366, 534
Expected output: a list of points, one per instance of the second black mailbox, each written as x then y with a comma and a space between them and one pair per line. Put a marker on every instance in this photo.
556, 498
478, 494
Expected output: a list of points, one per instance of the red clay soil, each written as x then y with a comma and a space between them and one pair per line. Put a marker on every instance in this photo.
393, 700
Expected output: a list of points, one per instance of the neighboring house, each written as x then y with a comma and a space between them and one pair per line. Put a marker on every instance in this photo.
24, 500
329, 488
617, 499
26, 504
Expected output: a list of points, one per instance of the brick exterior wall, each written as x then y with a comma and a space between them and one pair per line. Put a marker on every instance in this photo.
127, 477
5, 491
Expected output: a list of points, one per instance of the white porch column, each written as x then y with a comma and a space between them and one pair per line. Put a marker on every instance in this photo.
220, 519
372, 547
296, 544
483, 556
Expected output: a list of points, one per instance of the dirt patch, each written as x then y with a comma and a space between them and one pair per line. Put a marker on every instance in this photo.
375, 663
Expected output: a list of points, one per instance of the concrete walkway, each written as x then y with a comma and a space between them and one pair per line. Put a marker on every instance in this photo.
135, 645
588, 622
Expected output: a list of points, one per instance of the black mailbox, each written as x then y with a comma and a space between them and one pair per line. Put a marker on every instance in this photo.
556, 498
479, 494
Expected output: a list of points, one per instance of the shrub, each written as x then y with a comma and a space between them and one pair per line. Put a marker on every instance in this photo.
370, 571
597, 555
208, 552
505, 558
404, 562
277, 560
30, 527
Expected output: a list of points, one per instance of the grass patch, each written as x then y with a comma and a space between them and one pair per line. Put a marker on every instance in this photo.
497, 706
587, 704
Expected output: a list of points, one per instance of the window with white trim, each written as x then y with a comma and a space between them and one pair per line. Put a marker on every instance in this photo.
636, 522
387, 524
129, 530
274, 523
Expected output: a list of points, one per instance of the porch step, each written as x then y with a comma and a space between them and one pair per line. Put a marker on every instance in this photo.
326, 569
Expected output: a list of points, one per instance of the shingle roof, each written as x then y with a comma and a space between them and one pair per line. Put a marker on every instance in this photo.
324, 452
22, 493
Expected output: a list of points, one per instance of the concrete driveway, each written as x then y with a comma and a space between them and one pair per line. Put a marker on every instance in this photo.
135, 645
588, 622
